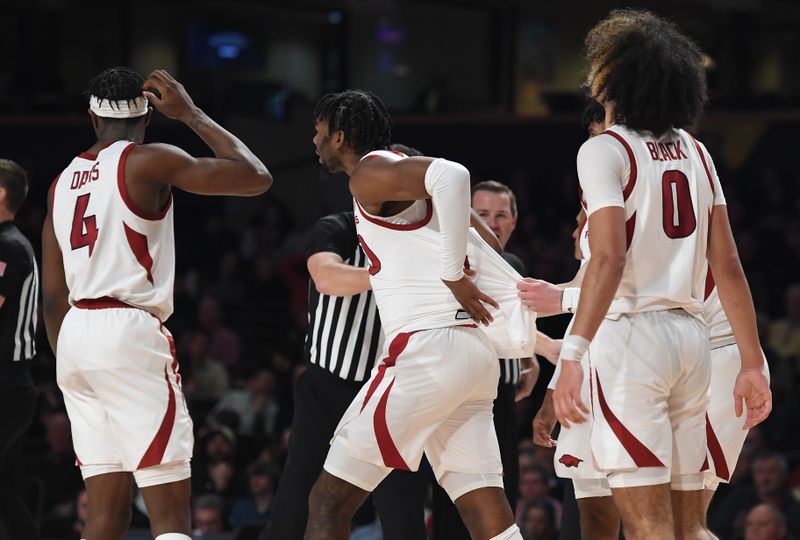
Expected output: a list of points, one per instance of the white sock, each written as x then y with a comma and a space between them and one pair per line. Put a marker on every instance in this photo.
512, 533
173, 536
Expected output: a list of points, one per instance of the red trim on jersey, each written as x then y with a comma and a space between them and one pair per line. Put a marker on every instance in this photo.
709, 284
401, 227
138, 244
106, 302
705, 165
641, 455
630, 226
715, 449
397, 346
374, 261
123, 191
155, 452
87, 155
389, 452
51, 193
705, 466
634, 172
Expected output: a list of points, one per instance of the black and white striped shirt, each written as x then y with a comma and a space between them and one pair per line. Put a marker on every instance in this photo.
19, 301
510, 367
344, 332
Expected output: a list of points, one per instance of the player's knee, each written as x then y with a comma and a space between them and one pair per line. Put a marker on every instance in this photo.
114, 521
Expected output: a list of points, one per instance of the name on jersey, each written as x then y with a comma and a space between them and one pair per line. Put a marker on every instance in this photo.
668, 151
81, 178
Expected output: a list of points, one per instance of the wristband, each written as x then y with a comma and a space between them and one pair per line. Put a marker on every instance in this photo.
573, 348
569, 298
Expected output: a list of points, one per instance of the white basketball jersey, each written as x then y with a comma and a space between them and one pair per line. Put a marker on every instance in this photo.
110, 247
404, 253
668, 197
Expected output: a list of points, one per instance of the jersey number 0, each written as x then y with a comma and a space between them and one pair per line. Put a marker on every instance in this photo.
678, 213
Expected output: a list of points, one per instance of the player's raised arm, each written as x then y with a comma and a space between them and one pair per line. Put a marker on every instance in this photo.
234, 171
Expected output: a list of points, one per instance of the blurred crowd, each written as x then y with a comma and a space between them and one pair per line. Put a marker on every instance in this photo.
239, 323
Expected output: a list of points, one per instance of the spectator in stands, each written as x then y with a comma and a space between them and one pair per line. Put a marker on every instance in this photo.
538, 522
255, 405
208, 515
225, 345
765, 522
256, 508
209, 378
534, 489
770, 486
784, 334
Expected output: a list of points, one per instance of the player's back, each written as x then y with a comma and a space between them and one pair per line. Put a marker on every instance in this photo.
110, 247
668, 196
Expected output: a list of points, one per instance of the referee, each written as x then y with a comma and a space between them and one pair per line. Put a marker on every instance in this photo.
343, 340
19, 299
497, 205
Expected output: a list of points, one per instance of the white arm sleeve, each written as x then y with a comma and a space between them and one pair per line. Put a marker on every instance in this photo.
554, 379
603, 170
447, 183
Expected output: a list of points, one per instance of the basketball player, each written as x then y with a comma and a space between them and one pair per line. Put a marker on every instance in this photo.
656, 212
434, 388
109, 268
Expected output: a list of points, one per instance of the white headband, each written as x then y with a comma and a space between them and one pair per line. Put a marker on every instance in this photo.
132, 108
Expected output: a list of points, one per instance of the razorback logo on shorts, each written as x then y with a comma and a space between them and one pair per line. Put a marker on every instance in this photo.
569, 461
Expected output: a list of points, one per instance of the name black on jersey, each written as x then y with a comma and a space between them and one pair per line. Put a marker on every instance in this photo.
19, 290
344, 332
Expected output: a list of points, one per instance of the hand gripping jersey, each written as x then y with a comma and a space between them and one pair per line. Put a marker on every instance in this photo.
667, 186
404, 253
111, 248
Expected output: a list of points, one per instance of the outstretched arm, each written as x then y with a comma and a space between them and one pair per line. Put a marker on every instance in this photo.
234, 171
335, 278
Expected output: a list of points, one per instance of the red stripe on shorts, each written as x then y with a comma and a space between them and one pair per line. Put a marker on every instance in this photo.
389, 452
155, 452
715, 449
397, 346
641, 455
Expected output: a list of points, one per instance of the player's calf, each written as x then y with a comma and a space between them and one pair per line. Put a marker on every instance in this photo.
486, 514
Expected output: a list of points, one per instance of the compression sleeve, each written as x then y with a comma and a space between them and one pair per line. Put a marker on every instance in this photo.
603, 167
447, 183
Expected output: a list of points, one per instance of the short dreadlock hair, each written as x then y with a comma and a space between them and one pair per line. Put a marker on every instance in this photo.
117, 84
361, 115
651, 71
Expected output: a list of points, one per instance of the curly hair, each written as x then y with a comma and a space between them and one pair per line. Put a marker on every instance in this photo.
593, 112
361, 115
652, 72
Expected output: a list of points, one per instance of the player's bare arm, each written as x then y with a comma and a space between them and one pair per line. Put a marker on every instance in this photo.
544, 422
484, 231
734, 294
55, 294
600, 283
234, 171
547, 347
378, 180
528, 376
335, 278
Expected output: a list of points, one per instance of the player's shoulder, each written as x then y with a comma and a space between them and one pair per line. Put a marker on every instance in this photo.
611, 141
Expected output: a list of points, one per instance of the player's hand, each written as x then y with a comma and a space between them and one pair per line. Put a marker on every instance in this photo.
168, 96
752, 386
472, 299
552, 351
544, 422
567, 395
527, 379
540, 296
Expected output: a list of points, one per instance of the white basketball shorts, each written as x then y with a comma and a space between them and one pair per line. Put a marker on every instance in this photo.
650, 377
117, 369
724, 433
432, 392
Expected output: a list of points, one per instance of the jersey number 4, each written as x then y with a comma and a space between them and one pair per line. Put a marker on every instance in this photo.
678, 212
84, 228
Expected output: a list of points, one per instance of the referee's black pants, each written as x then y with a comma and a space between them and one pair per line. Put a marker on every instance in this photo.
18, 404
447, 523
320, 400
